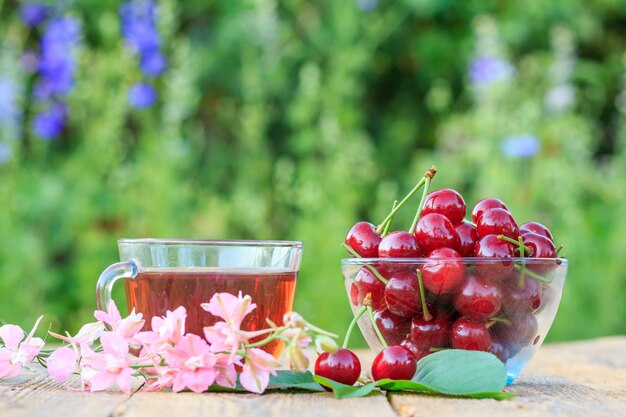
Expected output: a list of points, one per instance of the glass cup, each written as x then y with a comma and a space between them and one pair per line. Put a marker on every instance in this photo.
162, 274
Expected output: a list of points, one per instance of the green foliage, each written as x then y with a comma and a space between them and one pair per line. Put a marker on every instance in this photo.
293, 119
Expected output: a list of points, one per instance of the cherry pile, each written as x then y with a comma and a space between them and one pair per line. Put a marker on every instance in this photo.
449, 282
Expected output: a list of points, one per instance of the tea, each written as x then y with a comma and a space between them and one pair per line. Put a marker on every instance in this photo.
154, 292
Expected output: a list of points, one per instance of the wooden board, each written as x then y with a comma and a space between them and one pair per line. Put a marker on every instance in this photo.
572, 379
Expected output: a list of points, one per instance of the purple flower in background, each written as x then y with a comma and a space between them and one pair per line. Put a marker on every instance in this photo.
56, 63
29, 61
6, 153
367, 5
49, 124
523, 146
139, 25
485, 71
9, 110
153, 63
33, 14
141, 96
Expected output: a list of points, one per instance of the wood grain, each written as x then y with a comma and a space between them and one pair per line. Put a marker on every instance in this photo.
275, 404
571, 379
574, 379
34, 394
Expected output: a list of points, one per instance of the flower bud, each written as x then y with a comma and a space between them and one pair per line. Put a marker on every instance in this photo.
326, 344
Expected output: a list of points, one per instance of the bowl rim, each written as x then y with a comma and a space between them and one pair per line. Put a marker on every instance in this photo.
472, 260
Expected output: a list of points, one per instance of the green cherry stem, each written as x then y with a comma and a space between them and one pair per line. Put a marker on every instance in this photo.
425, 312
376, 329
532, 274
357, 316
501, 320
559, 249
422, 201
520, 281
521, 248
388, 225
430, 173
370, 267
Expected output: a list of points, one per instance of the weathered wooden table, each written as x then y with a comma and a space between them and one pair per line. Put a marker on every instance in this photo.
571, 379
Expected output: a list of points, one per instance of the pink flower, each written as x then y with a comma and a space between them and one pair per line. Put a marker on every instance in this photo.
127, 327
17, 353
62, 363
299, 340
257, 369
86, 335
230, 308
100, 370
192, 363
166, 331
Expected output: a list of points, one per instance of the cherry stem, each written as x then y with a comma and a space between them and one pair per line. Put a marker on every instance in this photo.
531, 274
357, 316
370, 267
388, 225
520, 281
559, 249
437, 349
500, 320
522, 249
428, 174
422, 201
425, 312
376, 329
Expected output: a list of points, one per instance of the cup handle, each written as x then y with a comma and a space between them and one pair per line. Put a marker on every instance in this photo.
105, 283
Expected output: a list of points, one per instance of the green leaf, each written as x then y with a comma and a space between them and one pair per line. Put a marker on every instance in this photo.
393, 385
345, 391
294, 380
455, 371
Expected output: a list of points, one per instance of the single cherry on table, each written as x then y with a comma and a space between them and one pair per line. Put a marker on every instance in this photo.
342, 366
394, 362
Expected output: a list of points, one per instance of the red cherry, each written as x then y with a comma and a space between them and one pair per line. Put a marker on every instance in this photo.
434, 333
393, 328
443, 271
354, 294
434, 231
402, 294
486, 204
536, 227
470, 335
540, 247
478, 298
521, 297
497, 221
363, 238
418, 351
519, 334
499, 351
394, 362
491, 247
446, 202
468, 235
399, 244
366, 282
342, 366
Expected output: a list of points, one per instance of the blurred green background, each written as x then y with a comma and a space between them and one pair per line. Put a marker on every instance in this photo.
294, 119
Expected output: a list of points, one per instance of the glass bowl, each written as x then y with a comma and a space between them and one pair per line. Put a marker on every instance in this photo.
503, 306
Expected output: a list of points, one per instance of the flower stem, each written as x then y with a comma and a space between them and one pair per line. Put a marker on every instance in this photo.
388, 225
422, 201
376, 329
430, 174
425, 312
370, 267
267, 340
357, 316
